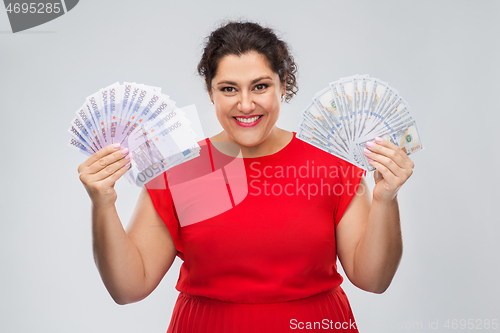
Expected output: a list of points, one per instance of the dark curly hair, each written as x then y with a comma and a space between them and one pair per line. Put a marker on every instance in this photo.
241, 37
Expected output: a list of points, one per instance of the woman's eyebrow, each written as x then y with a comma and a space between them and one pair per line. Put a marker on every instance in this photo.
253, 81
261, 78
227, 82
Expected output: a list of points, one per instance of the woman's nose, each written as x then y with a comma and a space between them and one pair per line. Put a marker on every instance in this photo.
246, 104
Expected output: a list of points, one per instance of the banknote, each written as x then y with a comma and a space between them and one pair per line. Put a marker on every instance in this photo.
326, 104
141, 118
354, 110
312, 129
81, 139
86, 121
115, 92
407, 138
160, 114
310, 138
83, 132
149, 160
95, 109
170, 139
74, 143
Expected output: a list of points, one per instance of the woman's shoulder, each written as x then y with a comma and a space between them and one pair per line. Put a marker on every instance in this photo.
305, 150
303, 147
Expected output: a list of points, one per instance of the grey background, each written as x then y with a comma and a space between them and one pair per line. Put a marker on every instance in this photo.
441, 55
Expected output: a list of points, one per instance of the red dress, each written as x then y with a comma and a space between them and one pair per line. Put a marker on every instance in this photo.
264, 258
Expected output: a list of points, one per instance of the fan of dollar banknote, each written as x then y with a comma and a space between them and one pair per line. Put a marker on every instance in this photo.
140, 118
354, 110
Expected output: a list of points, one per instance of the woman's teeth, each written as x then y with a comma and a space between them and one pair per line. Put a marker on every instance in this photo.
247, 120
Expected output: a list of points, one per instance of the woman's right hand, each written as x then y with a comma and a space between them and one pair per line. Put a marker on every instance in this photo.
100, 172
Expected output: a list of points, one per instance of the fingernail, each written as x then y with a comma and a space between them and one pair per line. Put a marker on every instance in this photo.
370, 144
379, 140
370, 159
367, 151
124, 151
127, 164
116, 145
128, 156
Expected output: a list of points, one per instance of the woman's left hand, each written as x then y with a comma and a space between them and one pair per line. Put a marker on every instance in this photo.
393, 166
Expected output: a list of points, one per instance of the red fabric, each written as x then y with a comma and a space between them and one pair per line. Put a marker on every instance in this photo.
271, 256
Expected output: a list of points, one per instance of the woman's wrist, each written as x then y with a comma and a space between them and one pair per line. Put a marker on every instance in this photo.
103, 206
388, 202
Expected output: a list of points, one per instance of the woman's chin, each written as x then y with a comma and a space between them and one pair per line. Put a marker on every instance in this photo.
248, 139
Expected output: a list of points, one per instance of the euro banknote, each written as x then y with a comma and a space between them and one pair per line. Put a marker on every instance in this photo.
141, 118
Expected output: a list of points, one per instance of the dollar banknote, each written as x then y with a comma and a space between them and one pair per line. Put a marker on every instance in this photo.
354, 110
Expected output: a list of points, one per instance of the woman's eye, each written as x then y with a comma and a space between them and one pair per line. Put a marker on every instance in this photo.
261, 86
228, 89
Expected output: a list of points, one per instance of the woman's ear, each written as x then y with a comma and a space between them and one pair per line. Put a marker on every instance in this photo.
209, 89
211, 97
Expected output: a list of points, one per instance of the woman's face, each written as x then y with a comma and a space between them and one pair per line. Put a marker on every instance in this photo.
247, 97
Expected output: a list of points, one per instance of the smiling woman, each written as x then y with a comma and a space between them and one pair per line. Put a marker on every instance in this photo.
268, 261
247, 97
249, 71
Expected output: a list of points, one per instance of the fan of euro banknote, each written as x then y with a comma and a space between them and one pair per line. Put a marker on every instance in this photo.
140, 118
352, 111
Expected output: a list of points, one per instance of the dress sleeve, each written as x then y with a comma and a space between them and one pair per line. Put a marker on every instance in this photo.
162, 200
349, 180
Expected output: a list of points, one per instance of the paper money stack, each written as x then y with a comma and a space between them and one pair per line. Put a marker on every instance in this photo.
140, 118
354, 110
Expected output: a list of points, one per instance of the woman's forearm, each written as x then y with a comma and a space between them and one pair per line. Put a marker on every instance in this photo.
117, 258
379, 251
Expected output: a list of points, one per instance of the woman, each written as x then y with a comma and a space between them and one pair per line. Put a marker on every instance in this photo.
267, 264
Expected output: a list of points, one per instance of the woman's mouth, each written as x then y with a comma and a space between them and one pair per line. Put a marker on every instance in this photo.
248, 121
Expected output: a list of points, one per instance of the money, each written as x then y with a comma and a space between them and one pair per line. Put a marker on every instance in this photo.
354, 110
140, 118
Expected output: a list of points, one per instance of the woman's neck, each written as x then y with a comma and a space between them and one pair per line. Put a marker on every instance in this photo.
276, 140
